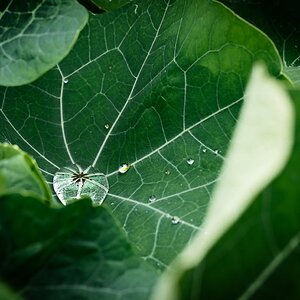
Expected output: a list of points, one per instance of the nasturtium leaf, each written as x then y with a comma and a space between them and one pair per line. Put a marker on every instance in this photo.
35, 35
154, 88
280, 22
78, 252
260, 232
20, 173
110, 4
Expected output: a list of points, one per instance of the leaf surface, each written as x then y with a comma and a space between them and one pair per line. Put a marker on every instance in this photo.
35, 35
158, 87
110, 5
258, 247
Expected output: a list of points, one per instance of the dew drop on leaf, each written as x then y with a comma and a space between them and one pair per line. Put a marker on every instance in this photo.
175, 220
152, 198
66, 80
190, 161
73, 182
106, 126
204, 150
124, 168
167, 172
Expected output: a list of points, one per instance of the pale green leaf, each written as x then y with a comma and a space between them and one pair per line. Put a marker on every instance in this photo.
19, 173
77, 252
35, 35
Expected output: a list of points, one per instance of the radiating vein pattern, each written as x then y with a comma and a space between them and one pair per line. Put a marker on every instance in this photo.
158, 85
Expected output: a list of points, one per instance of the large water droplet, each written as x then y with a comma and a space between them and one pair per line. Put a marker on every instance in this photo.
175, 220
124, 168
190, 161
152, 198
167, 172
73, 182
66, 80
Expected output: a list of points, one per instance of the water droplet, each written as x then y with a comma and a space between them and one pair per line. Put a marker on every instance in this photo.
73, 182
66, 80
175, 220
152, 198
190, 161
106, 126
204, 150
167, 172
109, 67
217, 152
124, 168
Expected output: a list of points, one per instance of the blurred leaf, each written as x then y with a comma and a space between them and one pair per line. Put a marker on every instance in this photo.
77, 252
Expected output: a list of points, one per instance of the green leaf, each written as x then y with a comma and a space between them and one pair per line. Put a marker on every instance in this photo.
7, 294
279, 20
19, 173
258, 242
159, 88
35, 35
110, 4
71, 253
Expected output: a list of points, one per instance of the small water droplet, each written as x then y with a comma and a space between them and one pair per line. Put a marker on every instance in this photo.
152, 198
106, 126
167, 172
73, 182
217, 151
175, 220
204, 150
190, 161
109, 67
66, 80
124, 168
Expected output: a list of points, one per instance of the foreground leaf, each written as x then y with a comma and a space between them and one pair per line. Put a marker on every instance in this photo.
35, 35
71, 253
7, 294
259, 150
19, 173
159, 88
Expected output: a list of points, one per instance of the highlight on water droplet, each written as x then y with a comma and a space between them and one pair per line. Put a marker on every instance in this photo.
217, 151
73, 182
190, 161
124, 168
66, 80
175, 220
106, 126
204, 150
167, 172
152, 198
